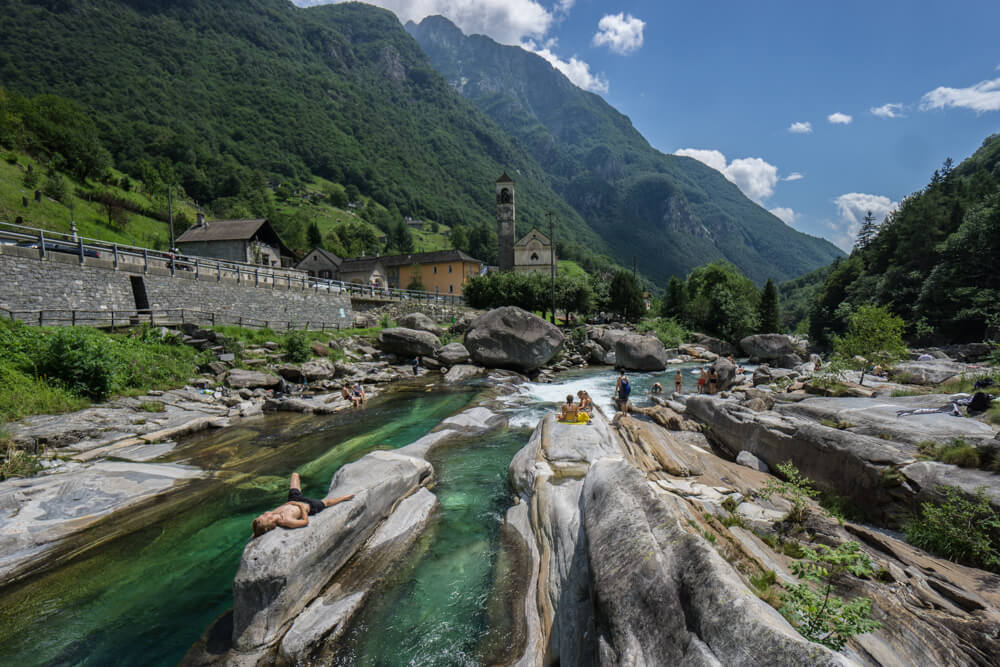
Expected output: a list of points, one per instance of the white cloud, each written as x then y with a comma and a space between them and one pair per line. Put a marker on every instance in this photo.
801, 128
840, 118
794, 176
755, 177
506, 21
786, 215
888, 111
574, 69
984, 96
853, 207
622, 33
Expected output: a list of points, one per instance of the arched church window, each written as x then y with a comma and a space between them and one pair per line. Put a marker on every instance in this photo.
534, 257
505, 196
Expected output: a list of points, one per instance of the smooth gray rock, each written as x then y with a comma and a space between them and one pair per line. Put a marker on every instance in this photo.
766, 375
788, 361
453, 353
409, 342
593, 352
768, 346
663, 596
719, 347
462, 372
420, 322
241, 379
310, 371
640, 353
283, 570
747, 459
726, 372
513, 338
929, 476
928, 372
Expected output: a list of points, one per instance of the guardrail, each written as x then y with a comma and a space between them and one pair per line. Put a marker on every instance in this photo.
158, 317
47, 242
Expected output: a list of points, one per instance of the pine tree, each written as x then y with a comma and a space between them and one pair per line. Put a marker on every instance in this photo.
770, 315
314, 236
868, 232
674, 299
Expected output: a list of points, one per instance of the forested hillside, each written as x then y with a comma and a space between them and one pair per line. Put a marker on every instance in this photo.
232, 99
673, 213
933, 262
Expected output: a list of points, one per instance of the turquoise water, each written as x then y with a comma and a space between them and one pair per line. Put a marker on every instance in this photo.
145, 598
434, 610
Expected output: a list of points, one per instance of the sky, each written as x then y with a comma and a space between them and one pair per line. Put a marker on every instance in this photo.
819, 112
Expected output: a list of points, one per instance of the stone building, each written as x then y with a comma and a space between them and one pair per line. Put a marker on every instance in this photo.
534, 252
364, 271
320, 263
249, 241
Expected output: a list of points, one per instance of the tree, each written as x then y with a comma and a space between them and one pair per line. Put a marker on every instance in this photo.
770, 315
400, 237
55, 186
867, 233
574, 295
674, 299
352, 192
314, 237
337, 195
30, 179
625, 296
874, 337
459, 239
722, 302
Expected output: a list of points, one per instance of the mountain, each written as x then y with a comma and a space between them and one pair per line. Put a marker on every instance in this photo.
673, 213
230, 98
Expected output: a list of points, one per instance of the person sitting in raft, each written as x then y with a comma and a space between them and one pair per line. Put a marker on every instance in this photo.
294, 513
657, 388
569, 412
586, 402
678, 382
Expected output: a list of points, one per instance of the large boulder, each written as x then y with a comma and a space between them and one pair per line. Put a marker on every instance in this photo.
310, 371
420, 322
241, 379
720, 347
453, 353
768, 347
513, 338
726, 372
926, 372
640, 353
766, 375
409, 342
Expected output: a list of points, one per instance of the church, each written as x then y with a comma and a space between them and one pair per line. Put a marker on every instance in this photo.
533, 252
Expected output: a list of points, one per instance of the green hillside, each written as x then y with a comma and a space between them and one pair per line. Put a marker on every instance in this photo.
673, 213
932, 262
235, 100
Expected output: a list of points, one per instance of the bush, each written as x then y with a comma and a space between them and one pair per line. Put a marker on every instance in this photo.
957, 452
796, 488
298, 346
81, 361
959, 529
670, 332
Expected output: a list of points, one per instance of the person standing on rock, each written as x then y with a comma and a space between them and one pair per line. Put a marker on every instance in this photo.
294, 513
702, 380
622, 390
713, 382
678, 383
416, 365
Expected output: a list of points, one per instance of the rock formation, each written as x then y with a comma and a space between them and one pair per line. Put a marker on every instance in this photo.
512, 338
640, 353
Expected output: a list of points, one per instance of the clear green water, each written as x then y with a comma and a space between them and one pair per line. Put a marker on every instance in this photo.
145, 598
434, 610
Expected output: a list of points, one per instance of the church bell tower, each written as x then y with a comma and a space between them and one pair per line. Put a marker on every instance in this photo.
505, 222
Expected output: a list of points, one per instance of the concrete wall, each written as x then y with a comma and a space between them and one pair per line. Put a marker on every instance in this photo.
60, 282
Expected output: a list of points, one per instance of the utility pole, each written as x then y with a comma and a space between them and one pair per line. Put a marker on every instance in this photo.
552, 260
170, 215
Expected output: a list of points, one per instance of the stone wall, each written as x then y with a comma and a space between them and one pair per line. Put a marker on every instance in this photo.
60, 282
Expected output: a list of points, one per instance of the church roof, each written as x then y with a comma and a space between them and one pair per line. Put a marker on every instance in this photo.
534, 233
505, 178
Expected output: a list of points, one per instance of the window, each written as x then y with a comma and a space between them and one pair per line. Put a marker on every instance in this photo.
451, 289
435, 269
449, 268
534, 257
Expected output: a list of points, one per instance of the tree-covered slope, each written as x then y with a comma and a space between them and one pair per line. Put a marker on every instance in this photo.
673, 213
229, 98
933, 261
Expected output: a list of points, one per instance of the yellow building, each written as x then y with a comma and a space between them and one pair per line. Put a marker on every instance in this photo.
439, 271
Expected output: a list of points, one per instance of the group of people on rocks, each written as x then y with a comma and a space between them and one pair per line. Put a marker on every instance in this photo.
356, 394
579, 412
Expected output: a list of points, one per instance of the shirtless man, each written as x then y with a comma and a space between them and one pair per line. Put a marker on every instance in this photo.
294, 513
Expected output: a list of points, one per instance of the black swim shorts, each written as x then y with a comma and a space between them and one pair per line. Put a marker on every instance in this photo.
315, 506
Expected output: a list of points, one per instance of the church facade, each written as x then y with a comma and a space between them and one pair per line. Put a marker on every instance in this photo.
533, 252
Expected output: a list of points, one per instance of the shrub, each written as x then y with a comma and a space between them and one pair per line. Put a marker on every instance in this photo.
959, 529
81, 360
298, 346
17, 463
819, 615
957, 452
669, 331
795, 488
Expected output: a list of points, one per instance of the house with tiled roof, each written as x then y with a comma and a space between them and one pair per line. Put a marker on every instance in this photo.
363, 271
439, 271
320, 263
250, 241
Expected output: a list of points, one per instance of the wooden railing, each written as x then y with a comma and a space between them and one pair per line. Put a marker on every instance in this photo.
48, 242
158, 317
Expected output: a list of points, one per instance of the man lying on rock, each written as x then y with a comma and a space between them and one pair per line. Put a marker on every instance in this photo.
294, 513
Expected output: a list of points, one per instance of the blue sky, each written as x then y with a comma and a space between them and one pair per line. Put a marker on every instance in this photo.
788, 100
